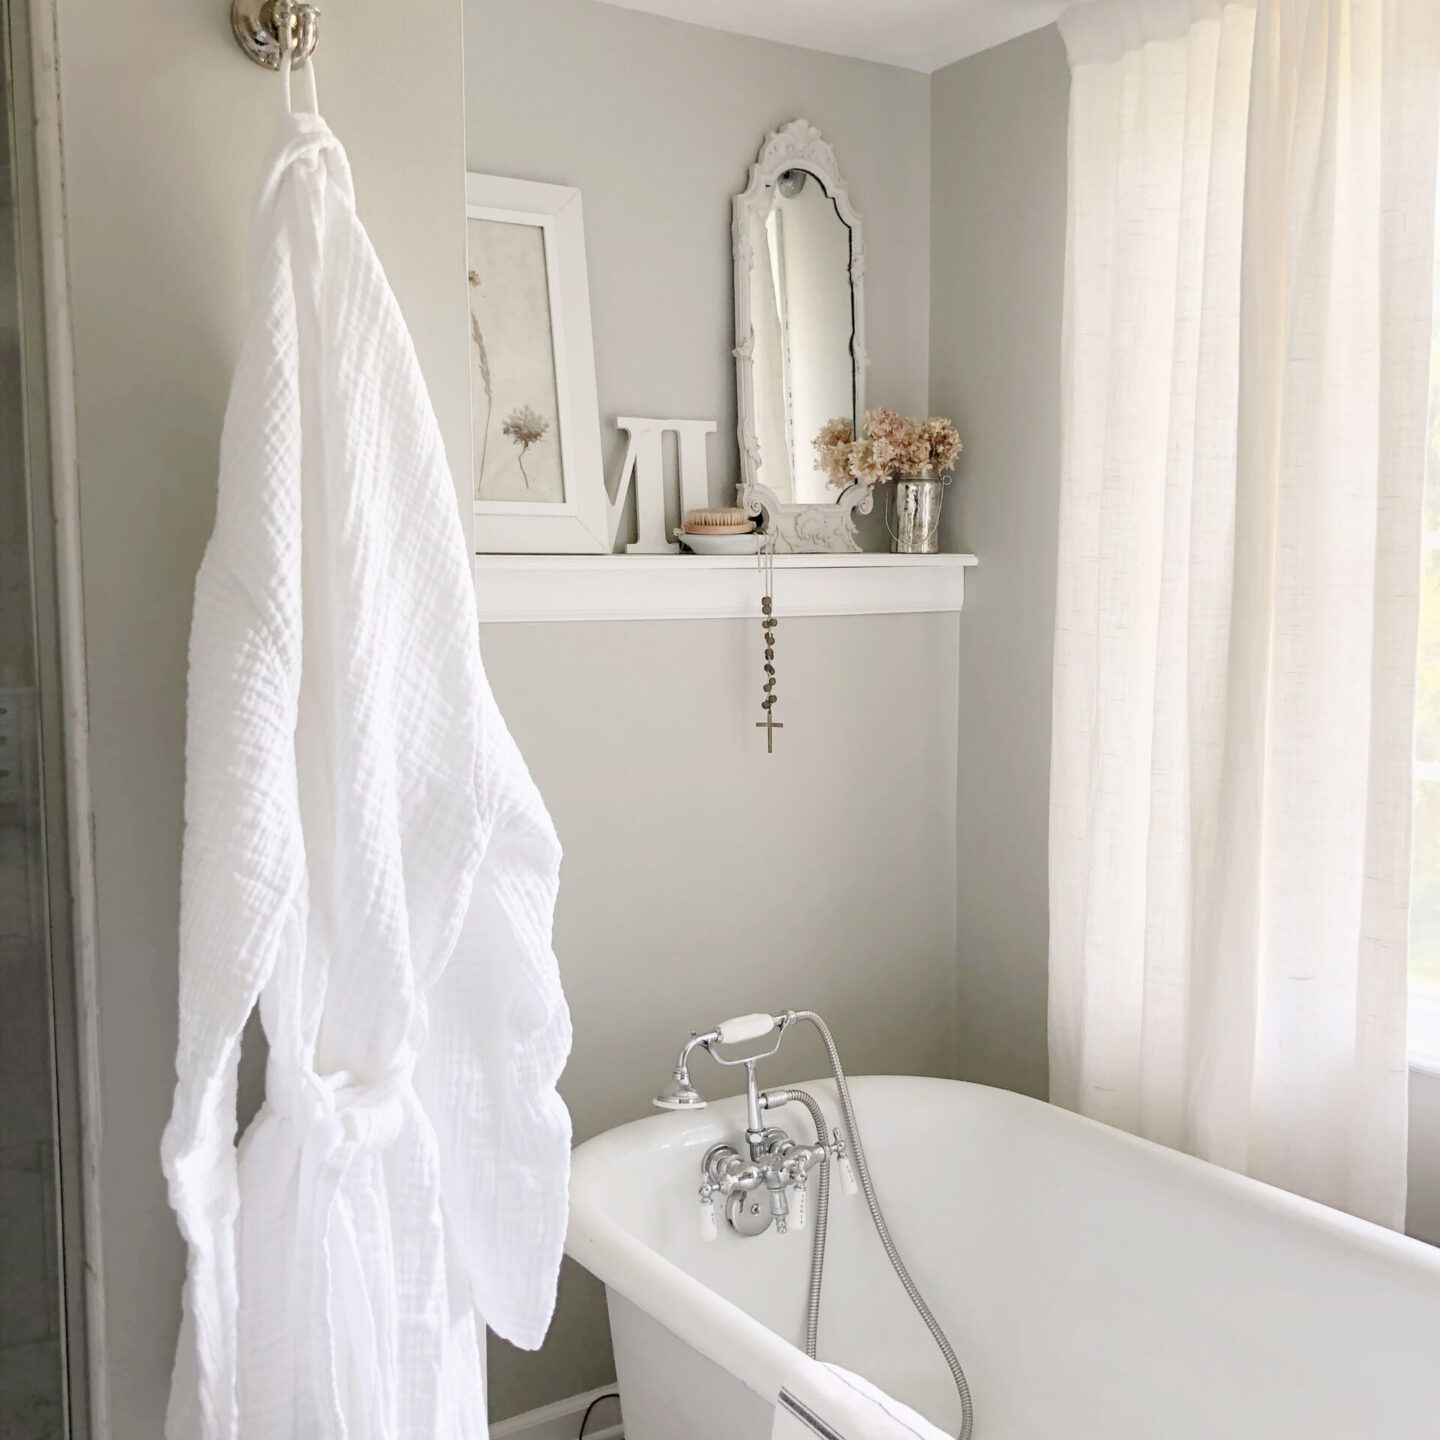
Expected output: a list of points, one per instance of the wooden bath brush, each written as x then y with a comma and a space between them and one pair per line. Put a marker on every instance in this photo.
721, 520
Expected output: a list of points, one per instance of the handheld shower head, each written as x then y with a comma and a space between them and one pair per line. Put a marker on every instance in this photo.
679, 1094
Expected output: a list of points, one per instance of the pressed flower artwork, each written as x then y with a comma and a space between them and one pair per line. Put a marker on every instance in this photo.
526, 427
514, 402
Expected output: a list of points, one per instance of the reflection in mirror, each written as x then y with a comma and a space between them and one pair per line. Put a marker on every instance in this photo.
803, 316
799, 338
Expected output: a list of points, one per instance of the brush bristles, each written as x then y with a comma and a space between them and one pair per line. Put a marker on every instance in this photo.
720, 520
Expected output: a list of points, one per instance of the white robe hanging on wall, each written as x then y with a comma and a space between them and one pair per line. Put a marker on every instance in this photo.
367, 856
1246, 361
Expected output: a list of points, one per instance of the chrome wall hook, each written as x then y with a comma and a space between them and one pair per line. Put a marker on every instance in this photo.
261, 25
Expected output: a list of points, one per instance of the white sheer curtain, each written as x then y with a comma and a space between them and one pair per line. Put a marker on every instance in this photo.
1247, 338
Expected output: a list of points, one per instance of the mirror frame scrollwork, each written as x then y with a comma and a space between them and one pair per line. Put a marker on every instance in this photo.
798, 529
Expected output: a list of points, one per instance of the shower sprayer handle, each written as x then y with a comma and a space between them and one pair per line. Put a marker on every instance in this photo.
744, 1027
680, 1094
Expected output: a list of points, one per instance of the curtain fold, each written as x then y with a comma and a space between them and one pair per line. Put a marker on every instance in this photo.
1103, 31
1247, 341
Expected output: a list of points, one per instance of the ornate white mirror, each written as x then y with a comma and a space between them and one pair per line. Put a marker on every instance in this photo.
799, 337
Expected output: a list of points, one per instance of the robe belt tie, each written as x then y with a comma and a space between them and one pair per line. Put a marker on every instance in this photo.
344, 1276
339, 1107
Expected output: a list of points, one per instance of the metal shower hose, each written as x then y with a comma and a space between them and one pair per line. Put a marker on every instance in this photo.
822, 1215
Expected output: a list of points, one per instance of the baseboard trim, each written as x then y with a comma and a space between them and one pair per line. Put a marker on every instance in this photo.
560, 1421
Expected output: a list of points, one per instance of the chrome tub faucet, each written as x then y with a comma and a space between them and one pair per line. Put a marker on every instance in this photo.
778, 1165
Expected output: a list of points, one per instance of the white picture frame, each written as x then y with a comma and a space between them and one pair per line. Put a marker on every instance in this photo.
577, 522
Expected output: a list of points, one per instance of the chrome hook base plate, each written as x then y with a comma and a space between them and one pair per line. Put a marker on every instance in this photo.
259, 24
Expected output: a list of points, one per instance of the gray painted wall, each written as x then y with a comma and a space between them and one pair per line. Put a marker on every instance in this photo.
166, 125
702, 877
998, 246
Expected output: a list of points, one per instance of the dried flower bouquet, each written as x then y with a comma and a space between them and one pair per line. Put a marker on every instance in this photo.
891, 446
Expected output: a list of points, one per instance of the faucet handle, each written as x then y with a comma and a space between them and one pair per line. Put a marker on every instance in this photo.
847, 1174
798, 1205
709, 1227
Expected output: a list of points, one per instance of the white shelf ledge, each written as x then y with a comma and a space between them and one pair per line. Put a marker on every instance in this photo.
703, 587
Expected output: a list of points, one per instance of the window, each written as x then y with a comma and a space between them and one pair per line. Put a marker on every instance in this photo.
1425, 866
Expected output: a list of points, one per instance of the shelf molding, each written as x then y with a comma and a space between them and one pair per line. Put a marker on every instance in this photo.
529, 588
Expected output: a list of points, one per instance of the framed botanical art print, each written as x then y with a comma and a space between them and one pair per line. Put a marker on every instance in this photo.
539, 477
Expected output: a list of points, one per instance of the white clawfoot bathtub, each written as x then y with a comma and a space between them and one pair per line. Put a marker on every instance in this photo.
1096, 1287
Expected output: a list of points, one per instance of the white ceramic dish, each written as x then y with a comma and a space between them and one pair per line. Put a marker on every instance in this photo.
720, 544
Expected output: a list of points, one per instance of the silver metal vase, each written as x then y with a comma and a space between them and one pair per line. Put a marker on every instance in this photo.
913, 515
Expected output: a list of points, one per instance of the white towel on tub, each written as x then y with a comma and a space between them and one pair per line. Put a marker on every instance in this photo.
367, 857
833, 1404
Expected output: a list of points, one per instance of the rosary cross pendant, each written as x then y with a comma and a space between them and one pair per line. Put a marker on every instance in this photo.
769, 725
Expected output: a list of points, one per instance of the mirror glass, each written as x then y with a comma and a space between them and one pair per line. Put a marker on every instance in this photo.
802, 316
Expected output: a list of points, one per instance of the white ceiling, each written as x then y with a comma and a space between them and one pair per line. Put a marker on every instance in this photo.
918, 34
